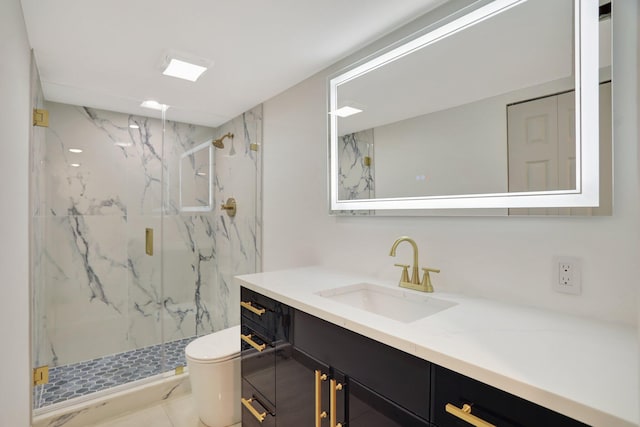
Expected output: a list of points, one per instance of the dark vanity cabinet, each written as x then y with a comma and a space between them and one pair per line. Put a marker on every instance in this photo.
298, 370
302, 371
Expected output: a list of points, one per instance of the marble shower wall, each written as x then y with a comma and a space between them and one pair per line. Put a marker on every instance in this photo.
356, 178
99, 293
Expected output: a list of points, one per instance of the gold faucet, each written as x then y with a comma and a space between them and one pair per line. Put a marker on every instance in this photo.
413, 282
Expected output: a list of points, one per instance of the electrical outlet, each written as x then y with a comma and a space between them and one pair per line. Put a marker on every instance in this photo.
567, 277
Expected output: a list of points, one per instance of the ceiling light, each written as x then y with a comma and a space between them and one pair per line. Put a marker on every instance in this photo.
134, 126
75, 165
346, 111
184, 70
75, 150
154, 105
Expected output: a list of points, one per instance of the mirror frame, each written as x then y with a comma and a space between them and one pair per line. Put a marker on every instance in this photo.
586, 194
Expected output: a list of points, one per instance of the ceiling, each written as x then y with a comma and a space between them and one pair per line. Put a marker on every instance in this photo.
108, 54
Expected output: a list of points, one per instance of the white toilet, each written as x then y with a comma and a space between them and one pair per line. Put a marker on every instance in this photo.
214, 371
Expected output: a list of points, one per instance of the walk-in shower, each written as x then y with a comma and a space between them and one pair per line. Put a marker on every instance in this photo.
105, 312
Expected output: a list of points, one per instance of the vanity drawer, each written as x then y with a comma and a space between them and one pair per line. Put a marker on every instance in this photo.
267, 316
368, 409
492, 405
394, 374
255, 410
258, 363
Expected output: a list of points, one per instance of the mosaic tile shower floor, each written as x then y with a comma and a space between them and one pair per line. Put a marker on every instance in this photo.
79, 379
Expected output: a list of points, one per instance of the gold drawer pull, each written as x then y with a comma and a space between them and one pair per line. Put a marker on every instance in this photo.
248, 306
320, 414
335, 387
247, 404
252, 343
465, 415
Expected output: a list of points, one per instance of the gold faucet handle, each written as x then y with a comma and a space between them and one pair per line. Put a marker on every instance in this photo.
404, 277
426, 278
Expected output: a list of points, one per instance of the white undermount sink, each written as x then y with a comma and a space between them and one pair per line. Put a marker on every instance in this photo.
394, 303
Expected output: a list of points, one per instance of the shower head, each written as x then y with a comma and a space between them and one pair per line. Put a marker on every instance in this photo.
218, 142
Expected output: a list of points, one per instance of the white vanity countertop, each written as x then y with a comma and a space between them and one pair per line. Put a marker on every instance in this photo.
585, 369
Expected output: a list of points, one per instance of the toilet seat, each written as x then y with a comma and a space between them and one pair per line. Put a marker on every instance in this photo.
216, 347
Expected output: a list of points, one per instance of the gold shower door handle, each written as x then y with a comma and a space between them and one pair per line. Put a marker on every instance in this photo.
251, 308
247, 404
148, 241
252, 343
333, 407
320, 414
464, 414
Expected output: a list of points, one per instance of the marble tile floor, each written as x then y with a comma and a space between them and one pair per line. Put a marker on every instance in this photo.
178, 412
79, 379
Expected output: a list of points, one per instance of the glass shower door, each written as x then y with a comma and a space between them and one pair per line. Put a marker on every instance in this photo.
108, 313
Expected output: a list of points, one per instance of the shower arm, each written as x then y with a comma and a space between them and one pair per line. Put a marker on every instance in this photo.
218, 142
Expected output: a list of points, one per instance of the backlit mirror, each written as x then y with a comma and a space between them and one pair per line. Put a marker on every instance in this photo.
495, 108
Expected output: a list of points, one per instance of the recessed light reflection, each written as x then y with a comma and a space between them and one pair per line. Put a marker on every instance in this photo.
75, 150
154, 105
123, 144
345, 111
133, 126
75, 165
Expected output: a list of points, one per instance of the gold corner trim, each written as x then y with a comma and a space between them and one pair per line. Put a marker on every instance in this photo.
41, 375
254, 147
179, 370
40, 118
367, 161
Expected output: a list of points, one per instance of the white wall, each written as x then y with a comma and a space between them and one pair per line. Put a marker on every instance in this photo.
506, 259
14, 196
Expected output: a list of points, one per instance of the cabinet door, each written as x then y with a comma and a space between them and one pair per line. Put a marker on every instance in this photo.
399, 377
302, 388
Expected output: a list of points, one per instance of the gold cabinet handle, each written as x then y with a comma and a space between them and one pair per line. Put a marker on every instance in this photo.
252, 343
320, 414
247, 404
464, 414
251, 308
335, 387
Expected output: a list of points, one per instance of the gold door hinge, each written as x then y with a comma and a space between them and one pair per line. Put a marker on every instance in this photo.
148, 241
367, 161
41, 118
41, 375
254, 147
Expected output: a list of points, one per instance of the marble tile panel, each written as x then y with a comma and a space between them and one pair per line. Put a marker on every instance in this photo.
356, 178
154, 416
95, 186
182, 412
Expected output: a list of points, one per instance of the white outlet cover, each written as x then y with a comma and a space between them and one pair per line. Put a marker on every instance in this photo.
575, 275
